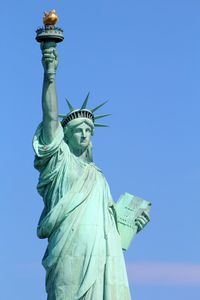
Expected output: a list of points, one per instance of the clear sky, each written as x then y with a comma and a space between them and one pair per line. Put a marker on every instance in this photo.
144, 57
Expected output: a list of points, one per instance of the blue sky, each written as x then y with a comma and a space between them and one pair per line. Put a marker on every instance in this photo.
144, 57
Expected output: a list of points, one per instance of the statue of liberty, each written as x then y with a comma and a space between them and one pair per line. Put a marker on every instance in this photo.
84, 258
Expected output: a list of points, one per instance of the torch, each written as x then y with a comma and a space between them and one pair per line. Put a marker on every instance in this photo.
49, 36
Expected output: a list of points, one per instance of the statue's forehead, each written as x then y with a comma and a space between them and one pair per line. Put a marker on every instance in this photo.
83, 125
80, 123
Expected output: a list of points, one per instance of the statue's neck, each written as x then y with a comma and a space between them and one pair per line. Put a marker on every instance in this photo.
82, 154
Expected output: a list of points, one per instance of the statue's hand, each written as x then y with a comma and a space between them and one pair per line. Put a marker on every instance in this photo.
142, 221
49, 57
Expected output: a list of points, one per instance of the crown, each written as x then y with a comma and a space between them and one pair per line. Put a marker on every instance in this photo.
83, 112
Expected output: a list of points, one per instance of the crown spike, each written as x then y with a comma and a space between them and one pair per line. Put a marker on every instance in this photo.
85, 101
100, 125
71, 108
101, 116
97, 107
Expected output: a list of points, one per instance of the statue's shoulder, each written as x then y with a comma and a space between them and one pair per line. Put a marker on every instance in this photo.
92, 164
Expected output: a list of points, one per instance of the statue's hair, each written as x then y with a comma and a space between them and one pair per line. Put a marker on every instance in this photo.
74, 123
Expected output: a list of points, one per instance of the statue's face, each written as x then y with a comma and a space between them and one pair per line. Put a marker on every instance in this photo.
80, 136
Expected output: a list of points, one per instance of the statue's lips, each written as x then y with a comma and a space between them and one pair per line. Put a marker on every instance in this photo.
84, 143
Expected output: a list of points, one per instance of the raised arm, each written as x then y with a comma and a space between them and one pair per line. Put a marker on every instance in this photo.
49, 96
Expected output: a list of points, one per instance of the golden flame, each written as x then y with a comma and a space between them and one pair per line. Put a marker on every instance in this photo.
50, 18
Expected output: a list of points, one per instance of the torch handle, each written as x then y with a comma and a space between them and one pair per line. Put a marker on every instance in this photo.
50, 66
51, 72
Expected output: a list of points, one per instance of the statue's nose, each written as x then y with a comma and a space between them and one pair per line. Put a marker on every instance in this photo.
83, 134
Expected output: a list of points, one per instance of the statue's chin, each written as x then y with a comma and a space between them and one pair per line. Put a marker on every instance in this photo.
83, 147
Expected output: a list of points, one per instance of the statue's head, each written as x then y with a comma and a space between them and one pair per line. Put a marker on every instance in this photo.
78, 127
77, 134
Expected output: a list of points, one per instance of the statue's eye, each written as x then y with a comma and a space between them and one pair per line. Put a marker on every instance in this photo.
77, 130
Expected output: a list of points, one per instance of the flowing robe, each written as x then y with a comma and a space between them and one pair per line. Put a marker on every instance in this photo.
84, 259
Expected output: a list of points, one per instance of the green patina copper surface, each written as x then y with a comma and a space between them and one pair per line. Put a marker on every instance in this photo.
84, 257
